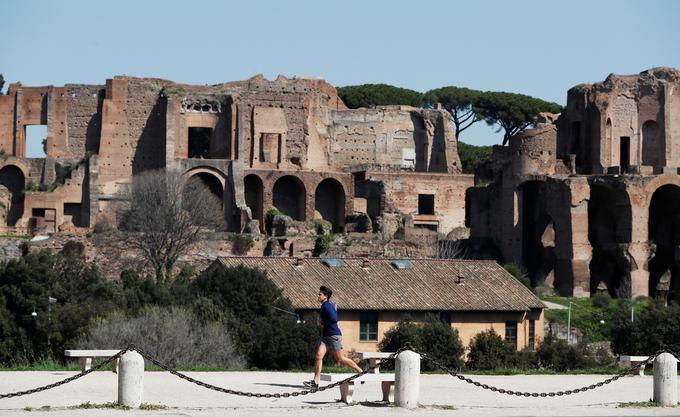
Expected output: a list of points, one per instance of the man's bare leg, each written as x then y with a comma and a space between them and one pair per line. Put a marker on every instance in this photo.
318, 361
342, 360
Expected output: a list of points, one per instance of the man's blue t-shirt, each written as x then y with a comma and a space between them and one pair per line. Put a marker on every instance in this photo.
329, 319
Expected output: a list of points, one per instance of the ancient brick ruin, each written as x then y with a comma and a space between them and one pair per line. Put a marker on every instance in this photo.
288, 143
589, 202
586, 201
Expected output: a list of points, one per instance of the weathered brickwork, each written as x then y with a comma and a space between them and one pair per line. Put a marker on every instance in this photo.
285, 143
588, 202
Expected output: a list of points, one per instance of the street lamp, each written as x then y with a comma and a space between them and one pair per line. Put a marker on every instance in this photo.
50, 301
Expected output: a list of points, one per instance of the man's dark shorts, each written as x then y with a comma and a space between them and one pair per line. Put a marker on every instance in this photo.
333, 343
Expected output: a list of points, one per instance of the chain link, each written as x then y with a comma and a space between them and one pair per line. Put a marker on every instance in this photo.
265, 395
455, 374
424, 356
65, 381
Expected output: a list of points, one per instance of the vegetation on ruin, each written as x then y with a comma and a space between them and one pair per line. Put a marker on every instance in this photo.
322, 244
370, 95
2, 83
241, 243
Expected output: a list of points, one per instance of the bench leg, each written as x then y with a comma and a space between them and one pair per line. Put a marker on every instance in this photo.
388, 391
85, 363
114, 365
346, 391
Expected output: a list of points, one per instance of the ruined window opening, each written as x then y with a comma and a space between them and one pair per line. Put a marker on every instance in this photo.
651, 146
199, 142
36, 141
75, 210
38, 212
270, 147
511, 332
368, 326
425, 203
12, 180
289, 196
625, 154
254, 194
329, 201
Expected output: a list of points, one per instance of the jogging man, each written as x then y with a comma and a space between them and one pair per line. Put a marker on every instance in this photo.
331, 337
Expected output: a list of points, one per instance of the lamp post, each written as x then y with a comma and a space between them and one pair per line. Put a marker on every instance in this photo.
569, 324
50, 301
297, 316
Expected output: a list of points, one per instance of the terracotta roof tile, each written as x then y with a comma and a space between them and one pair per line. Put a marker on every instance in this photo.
430, 285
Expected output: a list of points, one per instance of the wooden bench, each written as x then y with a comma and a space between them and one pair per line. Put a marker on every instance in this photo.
85, 357
347, 389
626, 361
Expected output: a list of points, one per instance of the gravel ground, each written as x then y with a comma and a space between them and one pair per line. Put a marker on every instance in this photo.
440, 395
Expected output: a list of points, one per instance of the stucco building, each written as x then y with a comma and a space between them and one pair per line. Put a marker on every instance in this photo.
372, 295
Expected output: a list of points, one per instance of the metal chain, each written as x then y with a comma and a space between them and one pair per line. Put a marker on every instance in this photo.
264, 395
64, 381
454, 373
425, 356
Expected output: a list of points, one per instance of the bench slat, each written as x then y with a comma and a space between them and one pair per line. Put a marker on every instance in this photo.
366, 377
90, 353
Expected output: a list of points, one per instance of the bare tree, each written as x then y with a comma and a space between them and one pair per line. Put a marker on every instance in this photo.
452, 249
166, 216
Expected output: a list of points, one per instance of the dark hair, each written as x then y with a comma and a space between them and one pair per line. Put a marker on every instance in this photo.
326, 291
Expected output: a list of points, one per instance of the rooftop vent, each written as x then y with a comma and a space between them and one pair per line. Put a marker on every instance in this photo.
333, 262
402, 264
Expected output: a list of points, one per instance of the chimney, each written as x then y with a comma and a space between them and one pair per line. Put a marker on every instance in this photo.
299, 262
460, 280
365, 263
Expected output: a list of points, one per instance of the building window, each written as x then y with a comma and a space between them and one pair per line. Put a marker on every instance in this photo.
425, 203
511, 332
368, 326
532, 335
445, 317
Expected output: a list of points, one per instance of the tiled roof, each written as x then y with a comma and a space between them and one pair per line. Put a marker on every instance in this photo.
431, 284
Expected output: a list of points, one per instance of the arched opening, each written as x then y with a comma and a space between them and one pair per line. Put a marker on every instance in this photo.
12, 183
664, 238
209, 182
254, 191
538, 233
290, 197
329, 201
609, 233
651, 148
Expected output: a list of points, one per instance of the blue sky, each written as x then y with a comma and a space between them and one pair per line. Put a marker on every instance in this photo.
539, 48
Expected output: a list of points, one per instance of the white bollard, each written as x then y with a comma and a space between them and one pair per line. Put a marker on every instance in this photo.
666, 380
407, 379
131, 379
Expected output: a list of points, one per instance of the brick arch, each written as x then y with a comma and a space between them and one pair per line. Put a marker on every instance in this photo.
329, 201
289, 195
656, 183
206, 170
18, 164
12, 179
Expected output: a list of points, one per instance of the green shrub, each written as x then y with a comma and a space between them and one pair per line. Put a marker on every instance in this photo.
322, 244
269, 218
489, 351
267, 337
241, 243
656, 327
601, 300
172, 335
561, 357
439, 340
